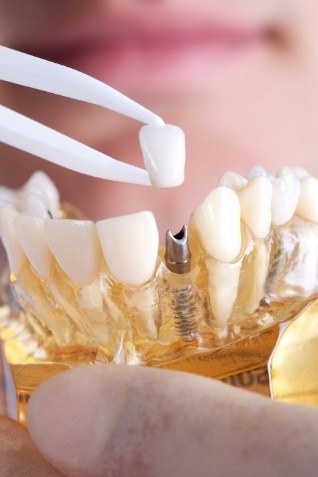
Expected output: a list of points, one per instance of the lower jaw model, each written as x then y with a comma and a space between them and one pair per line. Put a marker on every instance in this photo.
209, 301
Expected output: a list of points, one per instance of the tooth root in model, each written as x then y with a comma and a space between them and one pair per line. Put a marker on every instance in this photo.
130, 247
31, 236
223, 288
259, 272
216, 222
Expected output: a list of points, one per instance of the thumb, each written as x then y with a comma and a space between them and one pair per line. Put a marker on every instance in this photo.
108, 420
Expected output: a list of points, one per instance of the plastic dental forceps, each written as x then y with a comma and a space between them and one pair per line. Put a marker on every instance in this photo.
30, 136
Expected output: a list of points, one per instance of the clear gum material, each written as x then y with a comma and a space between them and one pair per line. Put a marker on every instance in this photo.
49, 325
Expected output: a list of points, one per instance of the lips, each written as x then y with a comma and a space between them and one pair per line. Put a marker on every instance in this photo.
136, 48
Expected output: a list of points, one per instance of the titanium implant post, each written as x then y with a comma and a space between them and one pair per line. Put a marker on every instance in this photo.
183, 302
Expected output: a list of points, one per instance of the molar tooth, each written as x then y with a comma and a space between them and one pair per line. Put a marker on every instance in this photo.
255, 200
130, 246
286, 190
233, 180
31, 237
217, 223
308, 199
75, 246
16, 256
163, 149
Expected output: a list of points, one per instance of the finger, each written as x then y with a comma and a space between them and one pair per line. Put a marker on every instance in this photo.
126, 421
18, 455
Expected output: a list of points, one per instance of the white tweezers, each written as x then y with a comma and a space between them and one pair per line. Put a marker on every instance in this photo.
30, 136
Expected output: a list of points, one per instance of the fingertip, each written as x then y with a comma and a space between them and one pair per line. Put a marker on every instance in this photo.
71, 415
136, 421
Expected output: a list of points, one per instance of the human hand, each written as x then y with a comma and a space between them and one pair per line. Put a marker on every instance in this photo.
125, 421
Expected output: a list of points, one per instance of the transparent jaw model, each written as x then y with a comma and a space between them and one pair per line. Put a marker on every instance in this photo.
186, 309
210, 301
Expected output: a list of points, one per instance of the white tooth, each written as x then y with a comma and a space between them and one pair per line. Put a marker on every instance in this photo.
285, 170
308, 199
75, 246
8, 197
163, 149
217, 223
223, 288
286, 190
16, 256
300, 172
40, 183
130, 246
257, 171
34, 205
256, 202
31, 237
233, 180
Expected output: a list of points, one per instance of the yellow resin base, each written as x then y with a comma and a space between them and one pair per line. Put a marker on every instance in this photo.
242, 364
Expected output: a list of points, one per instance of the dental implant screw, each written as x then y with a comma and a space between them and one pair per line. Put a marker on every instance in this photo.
182, 303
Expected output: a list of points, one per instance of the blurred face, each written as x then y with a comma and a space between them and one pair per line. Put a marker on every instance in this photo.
240, 77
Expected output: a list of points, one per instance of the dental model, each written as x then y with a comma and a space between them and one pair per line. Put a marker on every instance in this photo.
210, 301
227, 281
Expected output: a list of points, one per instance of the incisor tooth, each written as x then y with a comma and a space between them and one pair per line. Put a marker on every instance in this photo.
286, 189
31, 237
308, 199
16, 256
75, 246
217, 224
163, 149
256, 202
130, 246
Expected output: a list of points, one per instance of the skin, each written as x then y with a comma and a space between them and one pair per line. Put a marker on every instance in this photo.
119, 421
260, 109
